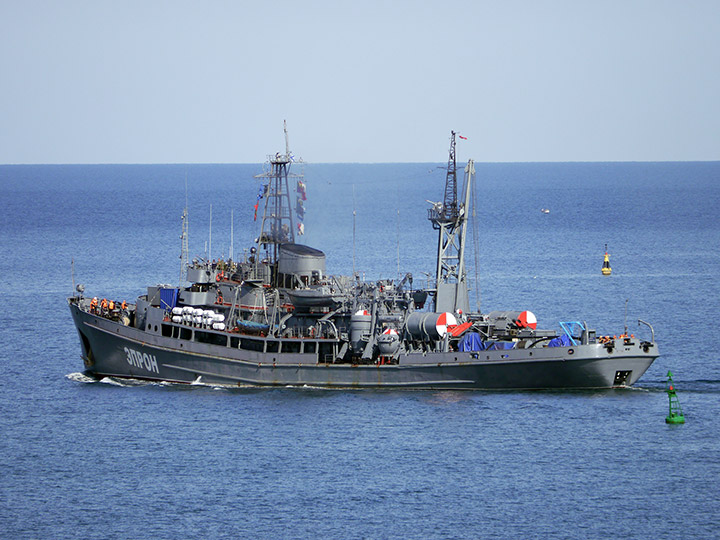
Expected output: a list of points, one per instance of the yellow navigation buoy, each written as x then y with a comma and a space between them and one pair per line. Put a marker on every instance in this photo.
606, 270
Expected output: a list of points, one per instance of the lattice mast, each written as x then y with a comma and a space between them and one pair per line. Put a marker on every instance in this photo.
450, 207
450, 220
278, 226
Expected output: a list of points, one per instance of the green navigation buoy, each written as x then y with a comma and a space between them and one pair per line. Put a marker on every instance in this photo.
676, 415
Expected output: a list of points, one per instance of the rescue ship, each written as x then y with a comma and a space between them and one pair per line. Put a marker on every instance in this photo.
276, 318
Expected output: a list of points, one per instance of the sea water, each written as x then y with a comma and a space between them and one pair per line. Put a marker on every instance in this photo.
123, 459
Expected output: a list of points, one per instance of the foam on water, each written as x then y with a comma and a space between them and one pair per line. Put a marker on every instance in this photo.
80, 377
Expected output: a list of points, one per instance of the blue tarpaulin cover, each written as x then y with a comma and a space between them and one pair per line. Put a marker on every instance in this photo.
168, 298
561, 341
473, 342
501, 345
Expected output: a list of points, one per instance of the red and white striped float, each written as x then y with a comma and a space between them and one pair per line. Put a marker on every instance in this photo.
527, 320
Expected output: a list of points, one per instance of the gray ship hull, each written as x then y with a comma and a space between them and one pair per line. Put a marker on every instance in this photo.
111, 349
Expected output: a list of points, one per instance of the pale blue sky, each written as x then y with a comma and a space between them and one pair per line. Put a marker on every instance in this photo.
358, 81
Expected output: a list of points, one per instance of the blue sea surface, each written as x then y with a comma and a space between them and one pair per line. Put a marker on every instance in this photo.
123, 459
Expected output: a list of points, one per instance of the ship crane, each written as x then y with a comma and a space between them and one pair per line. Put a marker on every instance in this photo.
450, 220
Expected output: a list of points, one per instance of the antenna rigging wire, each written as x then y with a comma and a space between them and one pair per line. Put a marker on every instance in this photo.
476, 242
354, 214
